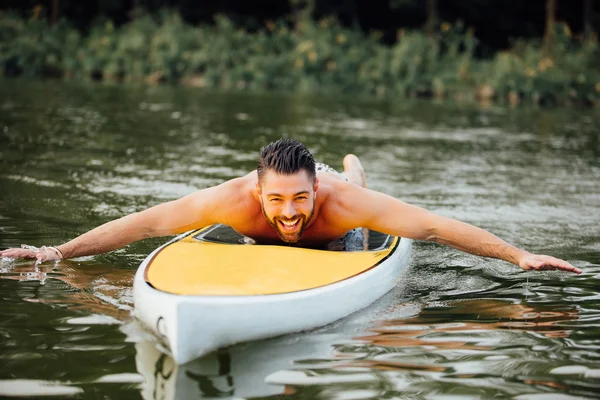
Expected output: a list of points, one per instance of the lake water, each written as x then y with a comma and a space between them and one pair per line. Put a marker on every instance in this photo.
73, 156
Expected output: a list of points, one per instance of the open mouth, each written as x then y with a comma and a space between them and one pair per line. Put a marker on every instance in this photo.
289, 226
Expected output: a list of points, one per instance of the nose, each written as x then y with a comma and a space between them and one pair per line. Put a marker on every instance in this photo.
288, 210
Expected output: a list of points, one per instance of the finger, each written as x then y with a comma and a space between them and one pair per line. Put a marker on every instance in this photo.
561, 268
8, 250
11, 253
555, 263
570, 268
18, 253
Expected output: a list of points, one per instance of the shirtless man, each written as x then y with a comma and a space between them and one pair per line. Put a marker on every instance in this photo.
287, 200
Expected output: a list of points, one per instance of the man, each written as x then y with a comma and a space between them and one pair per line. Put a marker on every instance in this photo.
287, 200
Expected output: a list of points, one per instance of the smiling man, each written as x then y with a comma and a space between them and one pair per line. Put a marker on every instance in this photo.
291, 199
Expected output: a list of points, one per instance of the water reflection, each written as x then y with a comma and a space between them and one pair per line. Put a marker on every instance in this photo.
473, 316
471, 345
482, 347
237, 372
479, 348
96, 289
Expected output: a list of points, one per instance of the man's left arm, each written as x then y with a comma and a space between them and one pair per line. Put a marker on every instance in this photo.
390, 215
474, 240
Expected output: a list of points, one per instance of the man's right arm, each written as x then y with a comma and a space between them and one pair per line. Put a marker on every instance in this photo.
169, 218
193, 211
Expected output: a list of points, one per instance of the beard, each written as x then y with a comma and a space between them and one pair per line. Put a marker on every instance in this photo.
294, 237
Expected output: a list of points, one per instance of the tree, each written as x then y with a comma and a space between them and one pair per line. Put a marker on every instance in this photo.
431, 11
302, 11
432, 17
588, 6
54, 15
550, 25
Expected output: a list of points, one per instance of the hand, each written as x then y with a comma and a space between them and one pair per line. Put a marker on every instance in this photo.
546, 263
42, 254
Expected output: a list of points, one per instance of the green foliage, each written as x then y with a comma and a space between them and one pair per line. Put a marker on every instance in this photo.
314, 56
31, 47
567, 73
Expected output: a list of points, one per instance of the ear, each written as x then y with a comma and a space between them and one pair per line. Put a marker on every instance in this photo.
257, 187
316, 187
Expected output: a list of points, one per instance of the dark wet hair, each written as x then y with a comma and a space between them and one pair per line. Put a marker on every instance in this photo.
286, 157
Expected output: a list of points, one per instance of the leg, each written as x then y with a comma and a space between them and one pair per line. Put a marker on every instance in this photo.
353, 170
355, 173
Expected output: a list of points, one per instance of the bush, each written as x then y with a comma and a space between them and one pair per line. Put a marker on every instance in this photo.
32, 47
567, 73
319, 56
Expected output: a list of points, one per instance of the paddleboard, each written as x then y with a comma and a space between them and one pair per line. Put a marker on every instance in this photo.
210, 288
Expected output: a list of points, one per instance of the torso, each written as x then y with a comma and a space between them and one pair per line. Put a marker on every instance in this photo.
323, 228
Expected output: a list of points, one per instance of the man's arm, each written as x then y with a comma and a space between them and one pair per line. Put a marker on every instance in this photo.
193, 211
390, 215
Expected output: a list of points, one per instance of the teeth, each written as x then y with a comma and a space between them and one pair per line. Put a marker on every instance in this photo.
289, 224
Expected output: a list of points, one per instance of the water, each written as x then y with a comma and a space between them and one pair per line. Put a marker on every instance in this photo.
459, 327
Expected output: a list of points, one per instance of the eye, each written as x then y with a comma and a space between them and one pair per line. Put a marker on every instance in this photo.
301, 198
275, 200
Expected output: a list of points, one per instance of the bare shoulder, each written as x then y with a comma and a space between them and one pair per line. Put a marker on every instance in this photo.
242, 185
229, 193
342, 201
229, 200
229, 203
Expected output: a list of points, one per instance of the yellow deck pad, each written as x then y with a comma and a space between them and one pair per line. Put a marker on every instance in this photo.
193, 267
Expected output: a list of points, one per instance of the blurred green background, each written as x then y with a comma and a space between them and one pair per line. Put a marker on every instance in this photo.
534, 52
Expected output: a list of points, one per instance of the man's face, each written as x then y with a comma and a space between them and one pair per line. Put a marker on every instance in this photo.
287, 202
